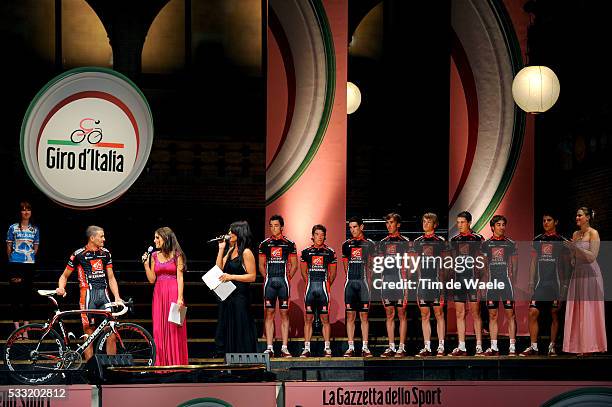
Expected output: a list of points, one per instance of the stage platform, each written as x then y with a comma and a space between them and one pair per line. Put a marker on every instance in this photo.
443, 368
339, 369
313, 382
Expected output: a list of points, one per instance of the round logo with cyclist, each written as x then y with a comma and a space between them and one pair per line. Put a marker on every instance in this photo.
86, 137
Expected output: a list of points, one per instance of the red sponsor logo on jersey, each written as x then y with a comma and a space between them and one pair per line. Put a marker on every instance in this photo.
276, 252
547, 249
96, 265
391, 249
428, 250
317, 261
464, 248
497, 253
356, 252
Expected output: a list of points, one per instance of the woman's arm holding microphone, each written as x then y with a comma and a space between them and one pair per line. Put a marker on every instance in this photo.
249, 265
150, 270
220, 261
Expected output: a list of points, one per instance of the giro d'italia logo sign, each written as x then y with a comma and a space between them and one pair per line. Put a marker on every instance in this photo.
86, 137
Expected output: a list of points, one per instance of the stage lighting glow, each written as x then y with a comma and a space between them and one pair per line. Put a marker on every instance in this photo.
535, 89
353, 97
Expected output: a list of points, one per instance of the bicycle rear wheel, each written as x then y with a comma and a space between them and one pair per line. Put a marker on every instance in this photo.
131, 339
35, 359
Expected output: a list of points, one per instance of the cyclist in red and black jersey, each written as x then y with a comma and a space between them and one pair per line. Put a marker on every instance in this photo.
95, 269
466, 245
502, 265
357, 256
392, 245
277, 264
318, 267
547, 281
431, 248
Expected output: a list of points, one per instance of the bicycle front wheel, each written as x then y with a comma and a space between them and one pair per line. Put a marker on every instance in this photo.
32, 358
131, 339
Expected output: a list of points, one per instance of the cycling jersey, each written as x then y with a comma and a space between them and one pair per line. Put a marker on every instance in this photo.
92, 267
430, 248
550, 253
500, 252
22, 243
391, 246
318, 260
277, 252
357, 254
465, 246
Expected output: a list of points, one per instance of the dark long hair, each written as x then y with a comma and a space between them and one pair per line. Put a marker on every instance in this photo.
243, 232
171, 245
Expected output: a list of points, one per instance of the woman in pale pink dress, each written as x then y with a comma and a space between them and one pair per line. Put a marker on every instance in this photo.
165, 268
585, 323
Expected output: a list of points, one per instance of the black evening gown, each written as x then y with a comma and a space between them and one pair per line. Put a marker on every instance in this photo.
235, 326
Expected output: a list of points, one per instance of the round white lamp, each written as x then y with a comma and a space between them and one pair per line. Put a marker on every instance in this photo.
353, 97
535, 89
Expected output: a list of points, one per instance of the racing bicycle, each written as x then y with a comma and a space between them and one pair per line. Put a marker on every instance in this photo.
38, 353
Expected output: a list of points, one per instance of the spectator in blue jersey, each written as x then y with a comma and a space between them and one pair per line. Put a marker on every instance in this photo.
22, 242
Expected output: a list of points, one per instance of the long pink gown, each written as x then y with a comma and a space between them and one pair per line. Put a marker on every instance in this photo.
170, 339
585, 322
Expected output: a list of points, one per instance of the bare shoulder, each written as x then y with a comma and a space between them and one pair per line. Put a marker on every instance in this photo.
248, 254
594, 234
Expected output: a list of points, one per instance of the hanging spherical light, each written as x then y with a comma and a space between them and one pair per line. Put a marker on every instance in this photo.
535, 89
353, 97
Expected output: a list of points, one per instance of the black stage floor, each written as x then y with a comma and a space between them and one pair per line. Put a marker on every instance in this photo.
444, 368
561, 368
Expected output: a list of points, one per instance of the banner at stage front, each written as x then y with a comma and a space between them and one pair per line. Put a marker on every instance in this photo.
447, 393
191, 395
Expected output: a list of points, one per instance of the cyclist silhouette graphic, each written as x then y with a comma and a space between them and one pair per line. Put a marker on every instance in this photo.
93, 134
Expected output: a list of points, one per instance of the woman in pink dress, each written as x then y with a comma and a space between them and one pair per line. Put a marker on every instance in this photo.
165, 269
585, 323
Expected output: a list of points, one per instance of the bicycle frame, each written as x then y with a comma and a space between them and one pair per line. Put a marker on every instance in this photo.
109, 320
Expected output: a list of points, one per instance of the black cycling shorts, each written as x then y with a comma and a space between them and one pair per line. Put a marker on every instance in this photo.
276, 288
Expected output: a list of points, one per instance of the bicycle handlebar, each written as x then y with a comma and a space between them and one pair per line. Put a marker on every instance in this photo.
47, 293
117, 304
125, 305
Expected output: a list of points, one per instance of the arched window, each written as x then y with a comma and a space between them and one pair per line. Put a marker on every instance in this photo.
84, 39
164, 47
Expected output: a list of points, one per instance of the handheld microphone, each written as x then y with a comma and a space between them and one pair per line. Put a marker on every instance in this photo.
219, 238
150, 250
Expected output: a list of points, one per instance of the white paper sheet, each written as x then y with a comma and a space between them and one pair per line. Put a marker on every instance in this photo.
177, 314
211, 279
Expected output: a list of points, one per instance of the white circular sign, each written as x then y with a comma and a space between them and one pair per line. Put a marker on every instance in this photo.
86, 137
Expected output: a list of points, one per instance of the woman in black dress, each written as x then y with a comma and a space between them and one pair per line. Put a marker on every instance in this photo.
235, 325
